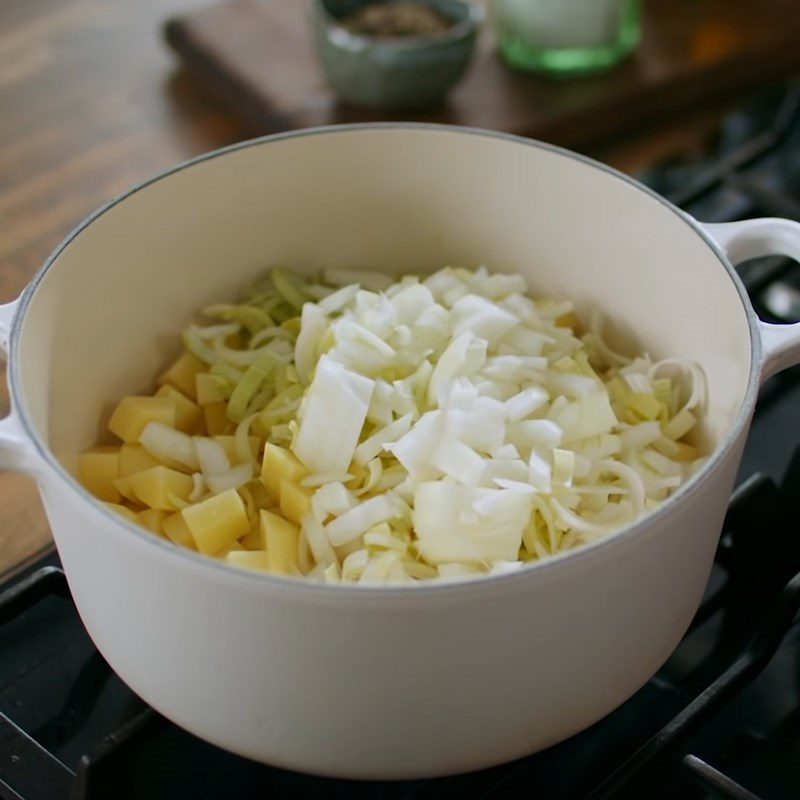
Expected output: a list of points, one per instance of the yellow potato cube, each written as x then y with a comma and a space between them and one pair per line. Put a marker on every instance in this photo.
123, 511
217, 522
235, 547
133, 413
217, 422
295, 501
282, 540
249, 559
182, 373
261, 497
208, 389
228, 442
188, 416
98, 468
153, 520
154, 486
254, 540
134, 458
124, 487
177, 531
280, 464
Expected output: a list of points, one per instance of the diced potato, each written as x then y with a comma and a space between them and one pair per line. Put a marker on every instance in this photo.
249, 559
234, 547
98, 468
261, 497
188, 416
295, 501
153, 520
254, 540
153, 487
228, 442
280, 464
177, 531
182, 373
282, 543
208, 389
133, 413
124, 487
123, 511
217, 422
134, 458
217, 522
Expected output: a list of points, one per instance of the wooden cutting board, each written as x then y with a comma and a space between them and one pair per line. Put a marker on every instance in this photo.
257, 57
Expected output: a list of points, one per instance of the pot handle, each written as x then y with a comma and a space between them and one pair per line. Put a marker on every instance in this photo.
17, 453
754, 238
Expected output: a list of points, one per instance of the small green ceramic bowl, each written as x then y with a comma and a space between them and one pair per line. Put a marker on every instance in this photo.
394, 74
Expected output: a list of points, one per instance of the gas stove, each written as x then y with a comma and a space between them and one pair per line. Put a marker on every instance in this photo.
721, 719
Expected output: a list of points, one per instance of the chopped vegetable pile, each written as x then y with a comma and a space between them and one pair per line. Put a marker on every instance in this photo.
364, 430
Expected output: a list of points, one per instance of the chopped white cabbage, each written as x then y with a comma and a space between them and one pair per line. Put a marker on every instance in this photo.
450, 528
331, 418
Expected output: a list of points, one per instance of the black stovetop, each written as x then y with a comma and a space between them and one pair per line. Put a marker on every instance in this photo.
721, 719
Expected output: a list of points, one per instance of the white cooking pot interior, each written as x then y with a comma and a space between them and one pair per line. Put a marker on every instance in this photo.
105, 318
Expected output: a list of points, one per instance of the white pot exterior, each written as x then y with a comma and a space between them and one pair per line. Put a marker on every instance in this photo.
382, 682
399, 684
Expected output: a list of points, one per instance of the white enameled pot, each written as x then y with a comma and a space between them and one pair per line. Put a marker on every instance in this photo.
383, 682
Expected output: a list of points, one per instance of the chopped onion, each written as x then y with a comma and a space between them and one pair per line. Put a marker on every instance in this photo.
494, 534
335, 408
372, 446
232, 479
360, 519
166, 443
211, 456
332, 499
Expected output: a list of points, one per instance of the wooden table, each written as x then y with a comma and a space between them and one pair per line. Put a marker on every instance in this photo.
91, 102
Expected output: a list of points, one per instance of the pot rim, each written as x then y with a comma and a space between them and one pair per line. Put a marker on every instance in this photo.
304, 588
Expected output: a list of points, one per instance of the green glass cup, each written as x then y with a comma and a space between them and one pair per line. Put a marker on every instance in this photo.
566, 37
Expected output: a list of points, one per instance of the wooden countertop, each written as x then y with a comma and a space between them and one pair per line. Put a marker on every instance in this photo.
91, 102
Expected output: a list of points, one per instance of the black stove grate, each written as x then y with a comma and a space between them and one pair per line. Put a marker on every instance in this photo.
720, 720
